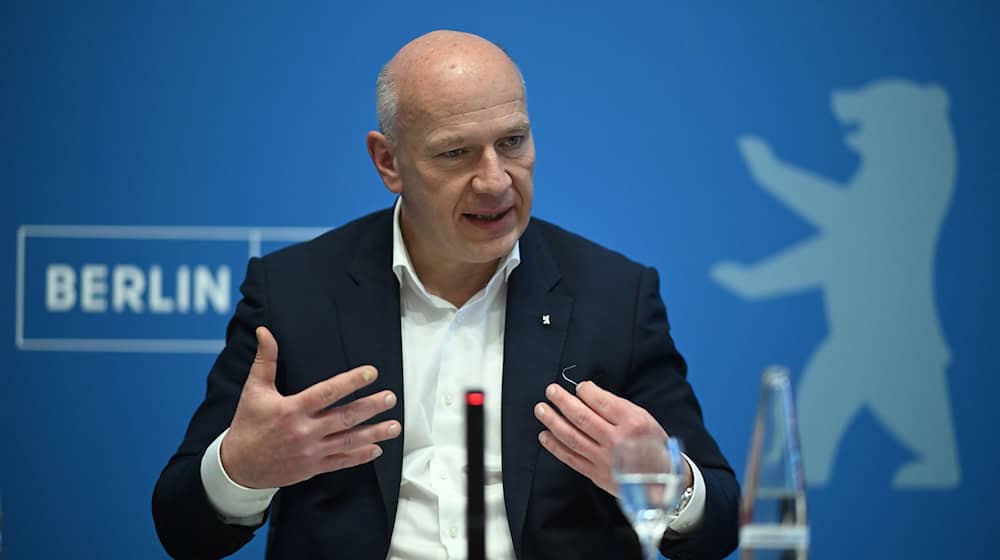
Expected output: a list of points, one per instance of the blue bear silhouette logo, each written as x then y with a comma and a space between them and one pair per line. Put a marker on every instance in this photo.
873, 259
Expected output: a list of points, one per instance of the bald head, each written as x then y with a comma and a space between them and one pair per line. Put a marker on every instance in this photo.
441, 71
456, 146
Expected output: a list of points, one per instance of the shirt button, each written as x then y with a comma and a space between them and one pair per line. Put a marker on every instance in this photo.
447, 400
453, 532
444, 475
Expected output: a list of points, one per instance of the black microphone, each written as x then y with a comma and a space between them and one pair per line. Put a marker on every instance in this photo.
475, 510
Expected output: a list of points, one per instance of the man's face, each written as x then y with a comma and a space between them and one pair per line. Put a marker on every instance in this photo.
465, 159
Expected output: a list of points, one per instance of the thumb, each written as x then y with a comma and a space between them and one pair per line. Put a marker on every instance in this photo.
265, 363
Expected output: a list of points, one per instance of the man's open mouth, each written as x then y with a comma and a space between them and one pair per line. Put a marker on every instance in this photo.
488, 217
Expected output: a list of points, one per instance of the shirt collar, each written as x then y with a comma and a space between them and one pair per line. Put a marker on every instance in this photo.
402, 265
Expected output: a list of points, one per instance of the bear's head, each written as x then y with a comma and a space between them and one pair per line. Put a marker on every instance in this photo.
891, 113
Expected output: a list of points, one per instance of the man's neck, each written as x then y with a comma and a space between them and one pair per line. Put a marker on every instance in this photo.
456, 283
452, 280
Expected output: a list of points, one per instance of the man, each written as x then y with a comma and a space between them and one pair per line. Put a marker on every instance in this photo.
455, 286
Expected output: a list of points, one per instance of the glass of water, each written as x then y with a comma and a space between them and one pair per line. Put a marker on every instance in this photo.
650, 476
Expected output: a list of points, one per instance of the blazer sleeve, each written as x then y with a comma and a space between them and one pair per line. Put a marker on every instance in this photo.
186, 522
659, 384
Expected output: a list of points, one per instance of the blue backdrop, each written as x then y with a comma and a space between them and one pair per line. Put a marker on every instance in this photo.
815, 184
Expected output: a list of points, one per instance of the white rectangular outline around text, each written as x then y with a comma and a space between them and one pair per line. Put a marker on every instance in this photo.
254, 237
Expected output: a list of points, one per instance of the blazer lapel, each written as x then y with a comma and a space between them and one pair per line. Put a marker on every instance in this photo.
535, 331
367, 300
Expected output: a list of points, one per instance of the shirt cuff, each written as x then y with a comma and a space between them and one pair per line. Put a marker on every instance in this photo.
235, 504
689, 517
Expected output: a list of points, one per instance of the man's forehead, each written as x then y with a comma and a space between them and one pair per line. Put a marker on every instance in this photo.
460, 102
450, 67
461, 86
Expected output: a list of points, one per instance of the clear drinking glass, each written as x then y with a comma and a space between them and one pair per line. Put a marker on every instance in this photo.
650, 476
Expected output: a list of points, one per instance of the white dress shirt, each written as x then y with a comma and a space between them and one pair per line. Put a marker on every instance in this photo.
446, 350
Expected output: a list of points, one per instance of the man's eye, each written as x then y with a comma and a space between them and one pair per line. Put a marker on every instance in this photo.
451, 154
511, 142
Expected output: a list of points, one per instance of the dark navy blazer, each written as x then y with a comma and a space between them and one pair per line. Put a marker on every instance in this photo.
333, 304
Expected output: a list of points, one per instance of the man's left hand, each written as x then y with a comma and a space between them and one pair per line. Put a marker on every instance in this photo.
583, 429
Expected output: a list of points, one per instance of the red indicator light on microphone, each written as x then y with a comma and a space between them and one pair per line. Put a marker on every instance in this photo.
474, 399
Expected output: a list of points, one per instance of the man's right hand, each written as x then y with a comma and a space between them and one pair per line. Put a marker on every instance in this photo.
275, 441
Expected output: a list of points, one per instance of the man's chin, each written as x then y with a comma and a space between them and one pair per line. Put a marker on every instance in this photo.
491, 251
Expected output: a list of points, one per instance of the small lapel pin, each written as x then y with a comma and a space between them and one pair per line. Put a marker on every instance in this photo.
546, 319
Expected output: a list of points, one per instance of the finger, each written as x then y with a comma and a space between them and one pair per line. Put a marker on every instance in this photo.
579, 414
608, 405
566, 433
350, 440
265, 362
573, 460
340, 461
325, 393
627, 417
349, 415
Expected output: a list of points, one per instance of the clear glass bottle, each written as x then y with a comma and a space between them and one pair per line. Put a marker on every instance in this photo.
773, 517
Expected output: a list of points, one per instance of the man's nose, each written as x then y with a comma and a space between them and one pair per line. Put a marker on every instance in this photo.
491, 177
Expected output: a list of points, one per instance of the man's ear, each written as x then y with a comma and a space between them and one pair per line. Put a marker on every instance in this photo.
383, 155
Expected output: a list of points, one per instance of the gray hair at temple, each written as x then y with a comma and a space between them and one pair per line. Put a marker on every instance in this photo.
387, 98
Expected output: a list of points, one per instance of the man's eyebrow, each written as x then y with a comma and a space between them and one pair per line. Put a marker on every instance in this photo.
447, 140
520, 126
